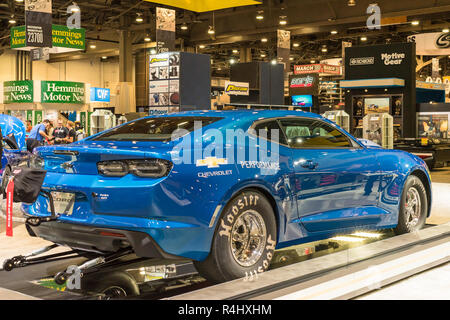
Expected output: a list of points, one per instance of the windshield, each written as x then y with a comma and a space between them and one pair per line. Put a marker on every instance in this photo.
154, 129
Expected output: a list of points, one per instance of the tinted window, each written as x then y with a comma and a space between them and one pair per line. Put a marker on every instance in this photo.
311, 133
154, 129
266, 130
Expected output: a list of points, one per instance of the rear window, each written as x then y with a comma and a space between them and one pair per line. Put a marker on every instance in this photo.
154, 129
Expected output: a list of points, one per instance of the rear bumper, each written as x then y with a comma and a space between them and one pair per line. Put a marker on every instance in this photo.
96, 239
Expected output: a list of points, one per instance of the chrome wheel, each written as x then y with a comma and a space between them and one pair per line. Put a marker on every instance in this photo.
248, 238
412, 207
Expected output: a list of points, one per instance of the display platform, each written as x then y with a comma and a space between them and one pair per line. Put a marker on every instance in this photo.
36, 281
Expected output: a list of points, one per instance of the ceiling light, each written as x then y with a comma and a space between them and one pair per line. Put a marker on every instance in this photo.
219, 68
202, 46
104, 57
152, 51
12, 21
260, 15
415, 22
291, 59
147, 39
313, 61
296, 45
211, 30
19, 0
263, 55
139, 18
232, 61
363, 38
446, 30
274, 61
74, 7
264, 40
184, 26
351, 3
283, 20
92, 46
334, 32
235, 51
324, 49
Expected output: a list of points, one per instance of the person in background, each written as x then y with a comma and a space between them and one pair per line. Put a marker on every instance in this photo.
71, 136
79, 131
60, 133
37, 135
29, 126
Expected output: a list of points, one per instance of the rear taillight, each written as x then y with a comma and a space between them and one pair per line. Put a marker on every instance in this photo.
112, 168
147, 168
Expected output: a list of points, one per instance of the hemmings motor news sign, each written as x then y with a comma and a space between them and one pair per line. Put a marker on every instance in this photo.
62, 92
18, 91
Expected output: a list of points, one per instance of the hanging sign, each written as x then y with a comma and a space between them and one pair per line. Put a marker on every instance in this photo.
165, 29
284, 48
431, 44
63, 39
38, 23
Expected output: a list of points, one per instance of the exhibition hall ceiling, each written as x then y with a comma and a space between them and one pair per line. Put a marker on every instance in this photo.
314, 24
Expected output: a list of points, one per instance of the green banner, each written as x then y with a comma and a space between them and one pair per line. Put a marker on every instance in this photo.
18, 91
62, 37
68, 38
62, 92
37, 117
18, 37
30, 116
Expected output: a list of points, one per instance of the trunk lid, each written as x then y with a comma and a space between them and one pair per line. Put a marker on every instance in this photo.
83, 158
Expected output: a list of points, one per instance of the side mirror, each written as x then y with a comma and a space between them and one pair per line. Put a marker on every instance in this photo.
369, 143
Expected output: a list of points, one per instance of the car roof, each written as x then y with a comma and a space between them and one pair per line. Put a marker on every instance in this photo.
245, 114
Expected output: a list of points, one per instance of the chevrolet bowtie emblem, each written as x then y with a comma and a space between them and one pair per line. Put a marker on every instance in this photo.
68, 166
211, 162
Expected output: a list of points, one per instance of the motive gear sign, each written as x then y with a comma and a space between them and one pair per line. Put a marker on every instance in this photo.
38, 23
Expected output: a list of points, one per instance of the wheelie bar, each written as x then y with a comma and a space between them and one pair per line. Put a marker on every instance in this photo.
93, 265
25, 260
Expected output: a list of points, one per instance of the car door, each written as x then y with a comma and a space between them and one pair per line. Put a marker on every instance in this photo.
336, 180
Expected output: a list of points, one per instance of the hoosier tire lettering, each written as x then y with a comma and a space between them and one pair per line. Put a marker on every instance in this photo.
245, 239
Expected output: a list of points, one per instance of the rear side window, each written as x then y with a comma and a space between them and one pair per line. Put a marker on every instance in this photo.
154, 129
270, 130
313, 133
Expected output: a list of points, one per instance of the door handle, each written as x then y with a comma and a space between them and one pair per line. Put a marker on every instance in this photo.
309, 164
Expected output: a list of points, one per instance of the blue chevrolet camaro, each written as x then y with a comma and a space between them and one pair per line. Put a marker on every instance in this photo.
14, 151
225, 188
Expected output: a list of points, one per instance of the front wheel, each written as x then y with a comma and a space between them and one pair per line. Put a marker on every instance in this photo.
413, 206
244, 241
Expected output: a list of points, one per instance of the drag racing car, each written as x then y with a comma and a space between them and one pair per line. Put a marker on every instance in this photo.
13, 149
225, 188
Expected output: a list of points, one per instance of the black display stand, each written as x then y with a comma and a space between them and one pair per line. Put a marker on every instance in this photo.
179, 81
397, 60
266, 82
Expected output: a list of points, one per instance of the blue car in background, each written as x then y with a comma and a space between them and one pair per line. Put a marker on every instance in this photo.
172, 186
14, 150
